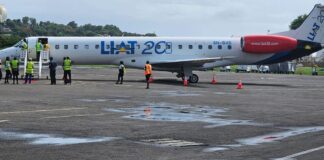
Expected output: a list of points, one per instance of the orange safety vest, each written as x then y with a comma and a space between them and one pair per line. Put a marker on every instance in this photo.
148, 69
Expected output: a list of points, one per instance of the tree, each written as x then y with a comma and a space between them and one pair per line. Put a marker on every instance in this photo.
298, 22
73, 24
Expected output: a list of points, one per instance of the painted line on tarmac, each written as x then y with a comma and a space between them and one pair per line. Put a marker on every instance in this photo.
71, 116
291, 157
1, 121
37, 111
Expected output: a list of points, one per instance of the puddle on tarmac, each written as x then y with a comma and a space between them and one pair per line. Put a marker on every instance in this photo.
47, 139
102, 100
178, 93
181, 113
268, 138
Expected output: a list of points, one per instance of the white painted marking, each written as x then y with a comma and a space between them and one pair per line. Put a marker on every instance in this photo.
1, 121
70, 116
37, 111
300, 154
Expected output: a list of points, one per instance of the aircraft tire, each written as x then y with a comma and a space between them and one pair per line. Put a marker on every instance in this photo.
194, 78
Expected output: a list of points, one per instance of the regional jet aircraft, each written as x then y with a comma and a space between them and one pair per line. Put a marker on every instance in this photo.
184, 55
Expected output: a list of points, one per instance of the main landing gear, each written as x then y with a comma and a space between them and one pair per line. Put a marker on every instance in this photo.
187, 75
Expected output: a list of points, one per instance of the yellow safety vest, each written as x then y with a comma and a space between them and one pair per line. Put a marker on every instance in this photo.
38, 46
14, 64
30, 67
7, 66
67, 65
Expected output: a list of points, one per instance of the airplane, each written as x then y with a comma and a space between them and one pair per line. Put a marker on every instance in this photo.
183, 55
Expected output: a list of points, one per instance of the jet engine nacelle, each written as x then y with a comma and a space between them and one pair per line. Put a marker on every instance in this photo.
264, 44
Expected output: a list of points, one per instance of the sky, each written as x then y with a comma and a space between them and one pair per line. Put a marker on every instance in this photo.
197, 18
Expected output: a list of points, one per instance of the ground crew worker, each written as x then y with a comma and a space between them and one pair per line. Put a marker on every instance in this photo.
47, 47
121, 72
67, 70
39, 48
15, 70
29, 71
52, 66
8, 70
148, 73
24, 45
0, 69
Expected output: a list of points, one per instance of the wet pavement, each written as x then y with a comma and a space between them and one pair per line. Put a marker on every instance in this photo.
273, 117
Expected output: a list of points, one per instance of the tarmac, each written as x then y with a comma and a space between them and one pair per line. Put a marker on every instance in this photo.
274, 117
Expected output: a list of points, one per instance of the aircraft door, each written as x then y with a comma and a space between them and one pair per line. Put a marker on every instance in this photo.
45, 53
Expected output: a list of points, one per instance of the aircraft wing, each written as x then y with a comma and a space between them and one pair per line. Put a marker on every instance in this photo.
199, 62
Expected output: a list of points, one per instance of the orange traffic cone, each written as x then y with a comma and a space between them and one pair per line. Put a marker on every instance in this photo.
185, 82
214, 80
240, 85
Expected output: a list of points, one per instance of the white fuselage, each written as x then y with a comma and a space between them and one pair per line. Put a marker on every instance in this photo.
135, 51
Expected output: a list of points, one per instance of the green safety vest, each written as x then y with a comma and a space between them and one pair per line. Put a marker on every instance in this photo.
38, 46
24, 46
7, 66
30, 67
67, 65
14, 64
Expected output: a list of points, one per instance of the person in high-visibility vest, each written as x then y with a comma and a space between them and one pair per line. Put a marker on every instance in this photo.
67, 66
8, 70
15, 70
148, 73
29, 71
24, 45
121, 72
39, 48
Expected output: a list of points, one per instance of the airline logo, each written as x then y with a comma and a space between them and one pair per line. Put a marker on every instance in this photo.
149, 47
316, 26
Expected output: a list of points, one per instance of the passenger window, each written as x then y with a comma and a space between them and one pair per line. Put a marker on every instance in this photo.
76, 46
107, 46
118, 47
97, 46
57, 46
128, 47
66, 47
229, 47
220, 47
138, 46
190, 46
168, 46
200, 46
86, 46
210, 47
180, 46
158, 47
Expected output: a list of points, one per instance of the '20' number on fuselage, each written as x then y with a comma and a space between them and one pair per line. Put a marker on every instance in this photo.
159, 47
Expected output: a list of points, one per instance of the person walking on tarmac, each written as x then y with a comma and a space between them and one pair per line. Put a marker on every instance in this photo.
148, 73
121, 72
52, 66
8, 70
39, 48
29, 71
67, 70
15, 70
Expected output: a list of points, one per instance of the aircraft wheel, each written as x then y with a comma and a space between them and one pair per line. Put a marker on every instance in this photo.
194, 79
